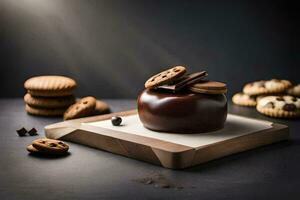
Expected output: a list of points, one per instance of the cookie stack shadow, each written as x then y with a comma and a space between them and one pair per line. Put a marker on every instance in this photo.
54, 96
274, 98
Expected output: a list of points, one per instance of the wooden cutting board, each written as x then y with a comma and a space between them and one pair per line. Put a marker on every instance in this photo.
169, 150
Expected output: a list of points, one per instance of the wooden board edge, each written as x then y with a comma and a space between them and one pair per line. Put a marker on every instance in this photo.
190, 158
277, 133
182, 157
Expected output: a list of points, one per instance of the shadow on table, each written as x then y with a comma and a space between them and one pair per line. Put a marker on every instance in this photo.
46, 156
238, 156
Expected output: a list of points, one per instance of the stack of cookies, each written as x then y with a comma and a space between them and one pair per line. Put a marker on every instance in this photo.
49, 95
53, 96
274, 98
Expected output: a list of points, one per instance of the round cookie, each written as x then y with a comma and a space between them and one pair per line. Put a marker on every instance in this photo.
50, 146
295, 90
242, 99
31, 149
101, 108
44, 111
209, 87
279, 106
266, 87
44, 102
49, 86
258, 97
165, 77
82, 108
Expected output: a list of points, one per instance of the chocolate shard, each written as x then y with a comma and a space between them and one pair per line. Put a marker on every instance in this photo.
32, 132
22, 132
185, 81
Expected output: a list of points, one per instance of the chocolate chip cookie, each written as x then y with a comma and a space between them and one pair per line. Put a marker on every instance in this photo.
101, 108
49, 146
165, 77
294, 90
266, 87
31, 149
279, 106
242, 99
83, 108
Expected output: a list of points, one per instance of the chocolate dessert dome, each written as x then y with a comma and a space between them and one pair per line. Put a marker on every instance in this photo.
184, 104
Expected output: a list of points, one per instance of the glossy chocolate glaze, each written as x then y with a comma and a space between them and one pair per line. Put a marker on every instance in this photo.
183, 112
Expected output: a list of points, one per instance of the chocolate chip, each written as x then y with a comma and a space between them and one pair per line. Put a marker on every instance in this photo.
294, 99
280, 99
116, 120
62, 144
52, 145
22, 132
269, 105
289, 107
32, 132
42, 141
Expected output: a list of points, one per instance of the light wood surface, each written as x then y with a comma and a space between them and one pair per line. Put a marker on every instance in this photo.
156, 151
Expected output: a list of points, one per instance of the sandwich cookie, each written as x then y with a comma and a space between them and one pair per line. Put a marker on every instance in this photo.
209, 87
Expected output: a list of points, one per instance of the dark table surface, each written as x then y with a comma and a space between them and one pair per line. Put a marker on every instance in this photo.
268, 172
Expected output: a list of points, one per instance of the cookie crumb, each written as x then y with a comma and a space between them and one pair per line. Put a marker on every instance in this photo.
158, 181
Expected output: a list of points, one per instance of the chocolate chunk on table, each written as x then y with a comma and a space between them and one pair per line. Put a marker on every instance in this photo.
22, 132
32, 132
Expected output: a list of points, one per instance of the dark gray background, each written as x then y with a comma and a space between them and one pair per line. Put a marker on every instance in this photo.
112, 47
